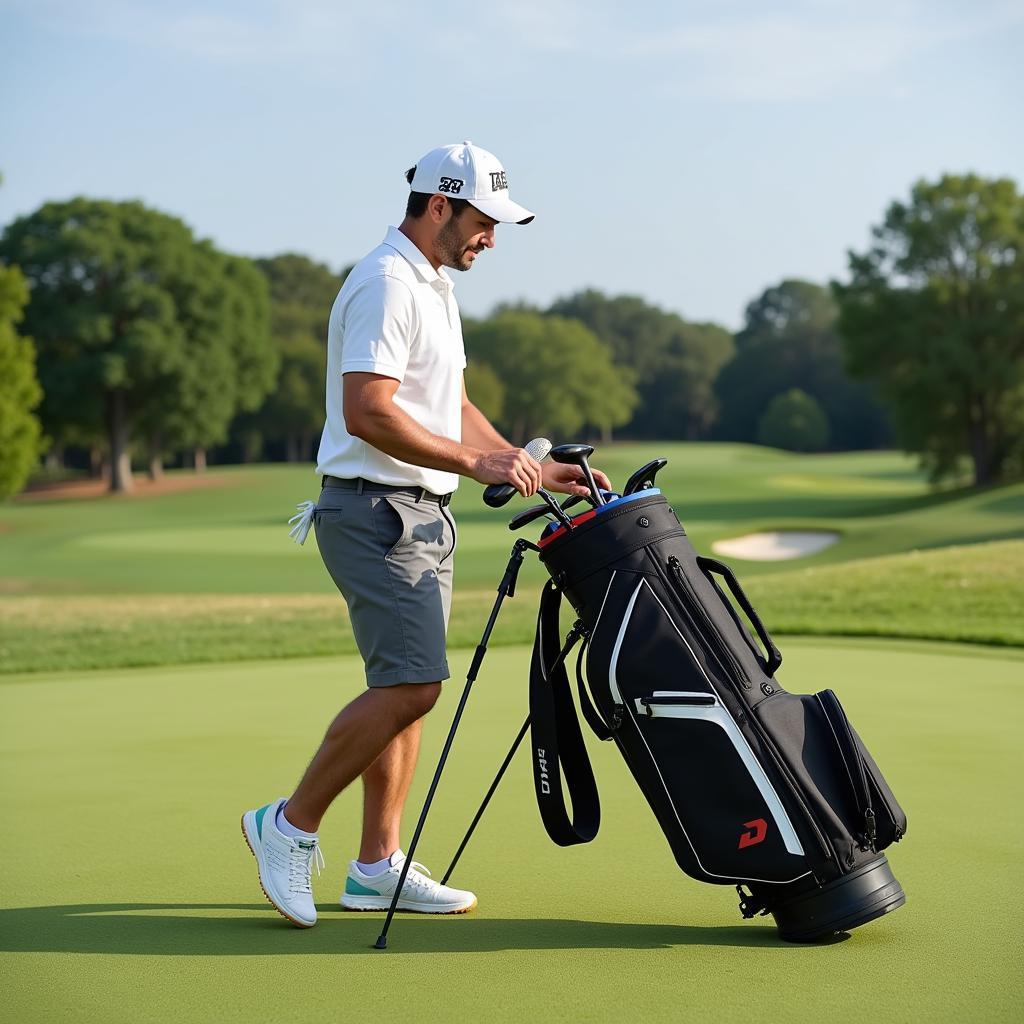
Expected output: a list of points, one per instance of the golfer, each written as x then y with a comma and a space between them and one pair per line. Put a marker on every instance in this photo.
400, 431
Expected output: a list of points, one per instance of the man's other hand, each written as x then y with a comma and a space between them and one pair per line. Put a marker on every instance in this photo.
566, 479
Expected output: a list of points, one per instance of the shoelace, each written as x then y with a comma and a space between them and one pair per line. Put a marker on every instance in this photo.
302, 519
300, 867
422, 884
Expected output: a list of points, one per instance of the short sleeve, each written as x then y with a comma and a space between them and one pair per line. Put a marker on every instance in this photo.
378, 328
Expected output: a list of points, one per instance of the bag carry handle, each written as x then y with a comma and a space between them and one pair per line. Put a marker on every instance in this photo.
557, 739
712, 565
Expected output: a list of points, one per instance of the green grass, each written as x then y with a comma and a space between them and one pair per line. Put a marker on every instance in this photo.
232, 539
972, 593
210, 574
129, 894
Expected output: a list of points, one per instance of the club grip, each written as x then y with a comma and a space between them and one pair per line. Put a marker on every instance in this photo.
497, 495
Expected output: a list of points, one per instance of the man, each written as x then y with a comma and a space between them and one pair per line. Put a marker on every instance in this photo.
400, 431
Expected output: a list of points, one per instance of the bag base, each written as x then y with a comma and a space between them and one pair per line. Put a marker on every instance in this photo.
840, 905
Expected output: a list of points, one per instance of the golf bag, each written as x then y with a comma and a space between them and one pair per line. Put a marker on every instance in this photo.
769, 791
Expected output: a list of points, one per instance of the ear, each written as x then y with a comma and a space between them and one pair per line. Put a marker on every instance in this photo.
436, 207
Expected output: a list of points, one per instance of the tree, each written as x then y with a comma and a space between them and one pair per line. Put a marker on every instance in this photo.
485, 390
302, 293
678, 398
673, 363
785, 308
934, 312
141, 330
232, 363
790, 340
20, 434
557, 375
794, 421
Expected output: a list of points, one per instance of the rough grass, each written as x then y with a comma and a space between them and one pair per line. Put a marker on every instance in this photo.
972, 593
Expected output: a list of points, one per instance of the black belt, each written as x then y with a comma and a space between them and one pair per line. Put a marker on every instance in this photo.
361, 486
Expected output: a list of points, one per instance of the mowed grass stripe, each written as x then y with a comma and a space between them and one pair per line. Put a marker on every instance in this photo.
971, 593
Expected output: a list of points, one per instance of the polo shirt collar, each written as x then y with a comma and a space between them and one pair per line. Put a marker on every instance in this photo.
416, 259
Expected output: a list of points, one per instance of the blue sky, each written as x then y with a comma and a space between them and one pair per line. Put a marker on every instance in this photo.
692, 153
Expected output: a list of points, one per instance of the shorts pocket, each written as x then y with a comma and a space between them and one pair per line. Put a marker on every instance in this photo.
391, 523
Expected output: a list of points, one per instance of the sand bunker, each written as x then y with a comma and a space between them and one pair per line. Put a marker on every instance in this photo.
776, 547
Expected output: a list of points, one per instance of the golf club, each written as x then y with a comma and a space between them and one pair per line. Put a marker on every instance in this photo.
528, 515
644, 476
497, 495
577, 455
575, 499
555, 508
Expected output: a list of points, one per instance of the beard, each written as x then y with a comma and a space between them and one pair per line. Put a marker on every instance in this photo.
451, 248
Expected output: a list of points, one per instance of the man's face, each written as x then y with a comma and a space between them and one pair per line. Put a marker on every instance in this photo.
462, 238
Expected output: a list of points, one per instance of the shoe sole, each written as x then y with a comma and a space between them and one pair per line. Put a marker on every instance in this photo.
369, 903
259, 866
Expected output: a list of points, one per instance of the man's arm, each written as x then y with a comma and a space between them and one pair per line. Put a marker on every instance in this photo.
478, 431
372, 416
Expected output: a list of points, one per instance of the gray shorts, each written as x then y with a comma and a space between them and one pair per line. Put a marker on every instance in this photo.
389, 552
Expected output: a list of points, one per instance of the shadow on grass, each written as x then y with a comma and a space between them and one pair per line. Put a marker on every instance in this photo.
244, 929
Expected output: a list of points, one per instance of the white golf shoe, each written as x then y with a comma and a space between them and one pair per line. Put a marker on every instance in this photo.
420, 892
286, 864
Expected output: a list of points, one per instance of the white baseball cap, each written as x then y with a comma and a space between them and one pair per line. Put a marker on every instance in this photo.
471, 173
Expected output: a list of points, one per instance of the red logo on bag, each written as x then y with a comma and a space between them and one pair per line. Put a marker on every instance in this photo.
758, 830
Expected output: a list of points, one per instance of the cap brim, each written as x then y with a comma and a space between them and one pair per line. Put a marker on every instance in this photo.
503, 210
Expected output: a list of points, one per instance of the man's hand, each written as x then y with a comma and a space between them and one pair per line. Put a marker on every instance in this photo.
566, 479
513, 466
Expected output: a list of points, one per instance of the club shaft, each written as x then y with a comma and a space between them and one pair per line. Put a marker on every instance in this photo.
556, 509
591, 482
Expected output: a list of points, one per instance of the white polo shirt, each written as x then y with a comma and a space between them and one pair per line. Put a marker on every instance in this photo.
396, 316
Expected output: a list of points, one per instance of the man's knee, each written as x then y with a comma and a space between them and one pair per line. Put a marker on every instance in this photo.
414, 700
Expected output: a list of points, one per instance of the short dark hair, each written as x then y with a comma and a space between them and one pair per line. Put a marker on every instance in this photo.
417, 205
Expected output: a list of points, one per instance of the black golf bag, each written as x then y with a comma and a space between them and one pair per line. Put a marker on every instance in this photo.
769, 791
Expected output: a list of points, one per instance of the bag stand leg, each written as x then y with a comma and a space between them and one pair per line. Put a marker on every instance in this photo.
570, 642
507, 587
487, 799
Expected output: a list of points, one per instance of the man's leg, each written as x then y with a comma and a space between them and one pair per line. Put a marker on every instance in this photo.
385, 788
360, 735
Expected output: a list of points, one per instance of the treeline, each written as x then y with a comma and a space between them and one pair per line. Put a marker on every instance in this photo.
595, 363
141, 345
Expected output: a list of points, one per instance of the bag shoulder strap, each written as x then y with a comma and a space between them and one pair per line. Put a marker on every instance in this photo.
558, 746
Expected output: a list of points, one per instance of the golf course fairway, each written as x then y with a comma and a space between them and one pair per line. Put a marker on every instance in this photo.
129, 894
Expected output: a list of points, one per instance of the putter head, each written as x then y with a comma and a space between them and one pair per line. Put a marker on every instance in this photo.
571, 453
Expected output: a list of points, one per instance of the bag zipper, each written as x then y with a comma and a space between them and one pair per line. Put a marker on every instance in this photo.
676, 568
822, 839
897, 831
686, 700
848, 751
